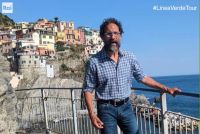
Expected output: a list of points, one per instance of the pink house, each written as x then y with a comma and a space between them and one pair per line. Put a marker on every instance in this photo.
74, 37
5, 43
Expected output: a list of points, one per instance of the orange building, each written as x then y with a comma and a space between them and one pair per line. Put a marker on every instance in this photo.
74, 37
45, 52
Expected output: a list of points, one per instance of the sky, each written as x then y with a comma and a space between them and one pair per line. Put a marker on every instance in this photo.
165, 41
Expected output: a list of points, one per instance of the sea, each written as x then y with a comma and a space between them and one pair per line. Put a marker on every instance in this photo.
182, 104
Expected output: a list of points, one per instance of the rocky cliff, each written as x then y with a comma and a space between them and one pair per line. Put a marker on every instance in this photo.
68, 71
8, 124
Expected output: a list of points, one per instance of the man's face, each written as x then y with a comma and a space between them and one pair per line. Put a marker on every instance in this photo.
112, 37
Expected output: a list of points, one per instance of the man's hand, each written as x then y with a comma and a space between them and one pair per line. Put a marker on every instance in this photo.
173, 91
96, 122
154, 84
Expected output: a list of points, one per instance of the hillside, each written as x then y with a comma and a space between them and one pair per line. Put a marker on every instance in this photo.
68, 65
5, 21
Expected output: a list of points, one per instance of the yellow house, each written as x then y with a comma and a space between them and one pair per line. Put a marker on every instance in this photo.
47, 40
22, 25
47, 46
60, 37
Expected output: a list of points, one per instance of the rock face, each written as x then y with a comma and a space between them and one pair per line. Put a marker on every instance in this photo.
8, 124
67, 74
68, 69
139, 99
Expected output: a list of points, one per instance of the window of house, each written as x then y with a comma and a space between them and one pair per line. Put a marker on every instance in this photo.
50, 37
23, 62
44, 36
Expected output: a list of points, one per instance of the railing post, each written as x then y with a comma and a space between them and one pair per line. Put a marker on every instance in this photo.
163, 113
74, 114
118, 130
45, 110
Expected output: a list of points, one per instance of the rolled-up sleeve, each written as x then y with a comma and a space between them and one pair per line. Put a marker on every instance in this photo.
90, 78
137, 70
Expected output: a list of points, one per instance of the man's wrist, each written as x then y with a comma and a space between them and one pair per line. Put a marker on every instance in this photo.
91, 113
166, 89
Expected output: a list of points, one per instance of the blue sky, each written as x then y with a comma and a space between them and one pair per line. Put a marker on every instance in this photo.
164, 42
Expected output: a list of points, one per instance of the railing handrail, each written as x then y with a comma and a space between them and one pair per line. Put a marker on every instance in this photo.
158, 91
143, 106
163, 110
133, 88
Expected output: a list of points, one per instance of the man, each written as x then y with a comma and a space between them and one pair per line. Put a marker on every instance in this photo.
110, 73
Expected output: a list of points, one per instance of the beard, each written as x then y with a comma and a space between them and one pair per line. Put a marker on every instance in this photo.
112, 46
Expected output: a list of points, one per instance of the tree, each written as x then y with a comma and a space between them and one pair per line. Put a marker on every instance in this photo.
60, 47
56, 19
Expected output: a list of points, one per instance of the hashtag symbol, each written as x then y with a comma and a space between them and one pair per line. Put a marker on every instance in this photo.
155, 7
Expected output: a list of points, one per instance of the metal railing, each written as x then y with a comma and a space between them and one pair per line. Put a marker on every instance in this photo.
62, 110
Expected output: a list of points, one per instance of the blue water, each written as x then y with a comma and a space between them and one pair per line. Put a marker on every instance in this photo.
187, 83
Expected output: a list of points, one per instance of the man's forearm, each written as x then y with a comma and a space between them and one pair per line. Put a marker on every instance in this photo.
93, 117
154, 84
89, 104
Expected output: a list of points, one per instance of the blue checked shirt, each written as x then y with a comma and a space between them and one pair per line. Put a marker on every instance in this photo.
109, 79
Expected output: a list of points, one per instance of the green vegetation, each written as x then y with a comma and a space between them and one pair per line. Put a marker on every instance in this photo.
5, 21
64, 67
77, 48
59, 47
75, 54
56, 19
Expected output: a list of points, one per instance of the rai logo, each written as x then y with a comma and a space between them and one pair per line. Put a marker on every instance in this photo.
7, 7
